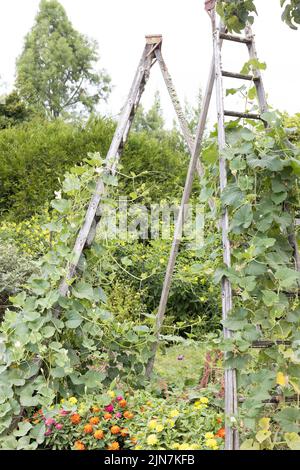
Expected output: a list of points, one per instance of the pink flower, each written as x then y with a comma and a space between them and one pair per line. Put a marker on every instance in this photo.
118, 415
49, 421
59, 426
119, 398
64, 412
109, 408
48, 432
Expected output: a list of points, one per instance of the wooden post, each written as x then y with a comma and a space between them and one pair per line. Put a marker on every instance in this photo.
231, 436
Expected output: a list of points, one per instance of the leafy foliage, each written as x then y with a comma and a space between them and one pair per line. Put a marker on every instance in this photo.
55, 70
13, 111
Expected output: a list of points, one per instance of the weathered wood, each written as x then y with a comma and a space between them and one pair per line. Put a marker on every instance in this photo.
230, 383
232, 37
180, 219
239, 76
180, 115
261, 94
262, 344
241, 115
88, 229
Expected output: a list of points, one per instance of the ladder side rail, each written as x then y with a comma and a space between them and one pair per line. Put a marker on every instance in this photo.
231, 434
111, 161
179, 222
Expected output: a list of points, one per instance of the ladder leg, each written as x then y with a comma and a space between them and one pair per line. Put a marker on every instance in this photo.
231, 436
111, 162
178, 228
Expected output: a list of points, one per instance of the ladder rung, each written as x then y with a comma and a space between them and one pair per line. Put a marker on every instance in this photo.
274, 400
232, 37
239, 75
261, 344
242, 115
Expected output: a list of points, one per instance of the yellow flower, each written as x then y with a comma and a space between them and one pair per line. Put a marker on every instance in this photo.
72, 400
159, 428
149, 403
211, 443
152, 440
174, 413
282, 379
111, 393
185, 446
204, 400
152, 424
62, 400
138, 448
170, 422
176, 446
209, 435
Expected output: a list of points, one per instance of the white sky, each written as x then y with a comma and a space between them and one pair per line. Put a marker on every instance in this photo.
119, 26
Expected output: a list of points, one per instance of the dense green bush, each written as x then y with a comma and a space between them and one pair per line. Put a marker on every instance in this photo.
15, 269
34, 156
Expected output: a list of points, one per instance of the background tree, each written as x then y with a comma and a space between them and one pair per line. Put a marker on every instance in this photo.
13, 110
152, 120
55, 72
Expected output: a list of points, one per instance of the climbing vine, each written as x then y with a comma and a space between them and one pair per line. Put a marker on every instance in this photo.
50, 345
262, 197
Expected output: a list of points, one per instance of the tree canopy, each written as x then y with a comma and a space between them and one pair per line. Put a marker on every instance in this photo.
55, 72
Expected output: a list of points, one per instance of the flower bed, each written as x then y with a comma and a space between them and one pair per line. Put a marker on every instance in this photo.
114, 422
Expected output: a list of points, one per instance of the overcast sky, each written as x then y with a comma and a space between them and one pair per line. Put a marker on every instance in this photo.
119, 26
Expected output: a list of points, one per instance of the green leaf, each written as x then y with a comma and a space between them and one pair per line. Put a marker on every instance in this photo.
232, 195
287, 277
262, 435
82, 290
288, 418
23, 429
74, 320
210, 154
71, 183
293, 440
242, 218
61, 205
249, 444
270, 298
93, 379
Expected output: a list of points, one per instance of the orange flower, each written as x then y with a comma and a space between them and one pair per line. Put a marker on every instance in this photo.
96, 409
88, 429
99, 434
221, 433
94, 420
124, 432
79, 445
133, 440
219, 420
115, 429
40, 412
122, 403
36, 421
107, 416
128, 415
75, 419
114, 446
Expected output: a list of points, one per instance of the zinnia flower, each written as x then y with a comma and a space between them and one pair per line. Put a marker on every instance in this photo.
99, 434
72, 400
122, 403
118, 415
212, 443
111, 393
114, 446
152, 440
94, 420
209, 435
174, 413
79, 445
115, 429
88, 429
59, 426
119, 398
152, 424
48, 432
109, 408
124, 432
221, 433
107, 416
96, 409
50, 421
128, 415
204, 400
75, 418
159, 428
